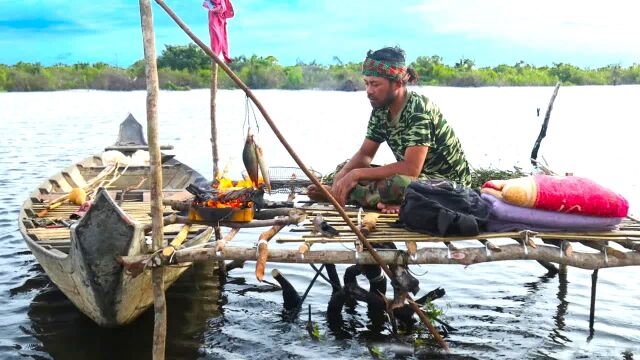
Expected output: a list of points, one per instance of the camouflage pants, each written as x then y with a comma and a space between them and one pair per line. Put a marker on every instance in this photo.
370, 193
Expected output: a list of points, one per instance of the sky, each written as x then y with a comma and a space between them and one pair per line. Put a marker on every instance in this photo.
585, 33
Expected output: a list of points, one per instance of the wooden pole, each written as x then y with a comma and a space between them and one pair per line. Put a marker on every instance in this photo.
592, 309
151, 70
214, 129
295, 157
429, 255
543, 130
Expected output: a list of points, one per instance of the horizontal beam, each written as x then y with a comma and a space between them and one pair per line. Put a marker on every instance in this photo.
465, 256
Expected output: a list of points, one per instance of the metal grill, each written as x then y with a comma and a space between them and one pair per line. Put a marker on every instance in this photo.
285, 180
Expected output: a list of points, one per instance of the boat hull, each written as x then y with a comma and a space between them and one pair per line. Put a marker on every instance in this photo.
88, 273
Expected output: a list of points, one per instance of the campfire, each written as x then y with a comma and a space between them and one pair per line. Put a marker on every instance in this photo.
225, 200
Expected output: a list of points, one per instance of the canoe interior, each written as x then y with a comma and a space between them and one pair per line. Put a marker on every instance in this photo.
136, 203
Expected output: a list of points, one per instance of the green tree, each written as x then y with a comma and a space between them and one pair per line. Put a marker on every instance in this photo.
3, 77
184, 57
295, 79
465, 64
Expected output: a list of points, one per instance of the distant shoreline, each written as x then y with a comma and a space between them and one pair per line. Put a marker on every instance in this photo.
187, 67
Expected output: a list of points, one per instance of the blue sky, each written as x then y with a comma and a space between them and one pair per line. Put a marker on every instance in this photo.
491, 32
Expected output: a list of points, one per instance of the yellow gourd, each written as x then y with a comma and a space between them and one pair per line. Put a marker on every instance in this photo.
77, 196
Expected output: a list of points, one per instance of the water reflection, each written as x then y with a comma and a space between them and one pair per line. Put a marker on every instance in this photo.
191, 302
561, 310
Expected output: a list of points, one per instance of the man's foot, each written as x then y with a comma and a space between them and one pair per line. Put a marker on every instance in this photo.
389, 208
316, 194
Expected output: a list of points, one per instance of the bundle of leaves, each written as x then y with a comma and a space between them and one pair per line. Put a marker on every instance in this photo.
481, 175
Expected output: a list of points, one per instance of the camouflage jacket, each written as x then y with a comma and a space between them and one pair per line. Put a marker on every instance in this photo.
420, 123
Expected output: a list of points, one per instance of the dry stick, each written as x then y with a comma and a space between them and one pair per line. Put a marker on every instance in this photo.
263, 250
151, 70
130, 188
220, 244
293, 154
543, 130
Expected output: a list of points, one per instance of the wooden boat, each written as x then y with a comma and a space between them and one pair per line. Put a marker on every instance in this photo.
81, 258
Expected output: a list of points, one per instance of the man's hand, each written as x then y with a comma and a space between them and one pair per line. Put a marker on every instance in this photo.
343, 186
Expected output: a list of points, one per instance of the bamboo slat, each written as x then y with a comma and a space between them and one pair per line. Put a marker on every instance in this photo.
385, 237
45, 234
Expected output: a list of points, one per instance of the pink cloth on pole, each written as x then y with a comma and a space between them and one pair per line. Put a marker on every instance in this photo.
222, 10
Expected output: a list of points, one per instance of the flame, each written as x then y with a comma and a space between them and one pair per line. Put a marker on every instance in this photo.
224, 184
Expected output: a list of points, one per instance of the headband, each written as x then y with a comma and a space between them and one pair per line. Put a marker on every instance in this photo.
394, 70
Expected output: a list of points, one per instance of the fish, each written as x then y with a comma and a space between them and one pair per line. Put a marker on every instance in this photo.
264, 169
320, 226
253, 159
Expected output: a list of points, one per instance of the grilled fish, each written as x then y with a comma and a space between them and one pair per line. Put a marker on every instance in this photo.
253, 160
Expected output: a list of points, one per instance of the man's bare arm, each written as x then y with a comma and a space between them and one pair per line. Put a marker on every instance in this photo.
412, 164
361, 159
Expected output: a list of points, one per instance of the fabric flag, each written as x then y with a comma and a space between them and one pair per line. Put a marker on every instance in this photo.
219, 11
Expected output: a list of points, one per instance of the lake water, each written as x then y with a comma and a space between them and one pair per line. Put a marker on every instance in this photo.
501, 310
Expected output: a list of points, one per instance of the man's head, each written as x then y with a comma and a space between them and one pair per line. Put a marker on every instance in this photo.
385, 75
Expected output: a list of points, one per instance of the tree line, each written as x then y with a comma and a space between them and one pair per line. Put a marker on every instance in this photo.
183, 67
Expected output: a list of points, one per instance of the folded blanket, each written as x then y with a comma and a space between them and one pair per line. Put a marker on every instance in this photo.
566, 194
506, 217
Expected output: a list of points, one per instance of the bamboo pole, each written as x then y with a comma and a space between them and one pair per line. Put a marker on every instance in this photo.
214, 128
293, 154
393, 236
151, 69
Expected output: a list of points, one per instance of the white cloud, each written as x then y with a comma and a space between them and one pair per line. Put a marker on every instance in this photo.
610, 27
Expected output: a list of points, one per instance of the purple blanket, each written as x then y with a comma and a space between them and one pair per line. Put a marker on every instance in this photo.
506, 217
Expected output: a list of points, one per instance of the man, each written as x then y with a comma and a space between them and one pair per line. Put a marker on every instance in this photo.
422, 142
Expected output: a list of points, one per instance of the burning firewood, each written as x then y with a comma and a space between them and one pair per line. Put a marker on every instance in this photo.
236, 197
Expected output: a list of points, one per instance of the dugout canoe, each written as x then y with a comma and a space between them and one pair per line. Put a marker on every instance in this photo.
80, 256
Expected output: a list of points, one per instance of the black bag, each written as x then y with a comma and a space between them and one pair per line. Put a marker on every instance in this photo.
443, 208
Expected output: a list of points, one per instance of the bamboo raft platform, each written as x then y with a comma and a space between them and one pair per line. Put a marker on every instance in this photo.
587, 250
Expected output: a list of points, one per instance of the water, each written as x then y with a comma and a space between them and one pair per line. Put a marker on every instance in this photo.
501, 310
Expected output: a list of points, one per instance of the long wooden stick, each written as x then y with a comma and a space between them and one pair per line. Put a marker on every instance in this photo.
151, 69
291, 152
464, 256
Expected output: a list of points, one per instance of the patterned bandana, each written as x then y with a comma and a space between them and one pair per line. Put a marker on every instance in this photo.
384, 68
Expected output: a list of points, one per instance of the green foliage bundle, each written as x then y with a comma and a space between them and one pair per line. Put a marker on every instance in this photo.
481, 175
183, 67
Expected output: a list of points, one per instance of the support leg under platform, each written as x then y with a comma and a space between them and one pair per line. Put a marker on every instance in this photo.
594, 282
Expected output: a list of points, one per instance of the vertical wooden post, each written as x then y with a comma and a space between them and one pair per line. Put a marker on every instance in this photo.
214, 130
151, 70
592, 309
